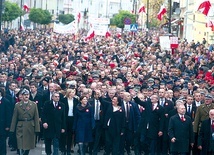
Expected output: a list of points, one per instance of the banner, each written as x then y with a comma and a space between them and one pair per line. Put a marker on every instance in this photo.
70, 28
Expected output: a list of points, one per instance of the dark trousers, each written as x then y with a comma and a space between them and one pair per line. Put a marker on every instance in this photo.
48, 142
176, 153
112, 142
150, 145
3, 145
195, 150
126, 140
12, 140
66, 139
163, 145
98, 132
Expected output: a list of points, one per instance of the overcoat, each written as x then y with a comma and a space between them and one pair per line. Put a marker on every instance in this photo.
25, 122
182, 131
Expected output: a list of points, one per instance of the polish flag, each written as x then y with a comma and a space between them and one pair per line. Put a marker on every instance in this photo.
90, 35
142, 9
210, 23
22, 28
78, 17
161, 12
204, 7
108, 34
26, 8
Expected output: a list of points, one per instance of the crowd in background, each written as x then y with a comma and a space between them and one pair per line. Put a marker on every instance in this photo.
117, 93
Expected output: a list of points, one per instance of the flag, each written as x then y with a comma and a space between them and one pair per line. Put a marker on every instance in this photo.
90, 34
161, 12
210, 23
22, 28
108, 34
204, 7
26, 8
78, 17
142, 9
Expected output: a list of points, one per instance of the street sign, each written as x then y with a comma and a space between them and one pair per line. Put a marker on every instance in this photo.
133, 27
127, 21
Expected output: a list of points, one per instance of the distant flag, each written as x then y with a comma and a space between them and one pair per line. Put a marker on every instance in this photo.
209, 23
26, 8
161, 12
78, 17
22, 28
142, 9
90, 35
108, 34
204, 7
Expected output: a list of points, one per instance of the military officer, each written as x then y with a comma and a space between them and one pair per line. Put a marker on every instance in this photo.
25, 121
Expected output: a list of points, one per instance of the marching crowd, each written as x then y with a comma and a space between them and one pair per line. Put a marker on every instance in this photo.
118, 93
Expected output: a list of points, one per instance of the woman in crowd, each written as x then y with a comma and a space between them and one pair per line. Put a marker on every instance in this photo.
83, 124
114, 123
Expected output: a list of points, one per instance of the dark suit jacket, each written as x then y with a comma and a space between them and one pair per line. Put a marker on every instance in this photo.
5, 115
46, 96
39, 101
193, 112
75, 103
153, 121
182, 131
55, 118
205, 136
134, 116
102, 107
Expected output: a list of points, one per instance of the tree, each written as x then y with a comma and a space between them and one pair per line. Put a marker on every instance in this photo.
66, 18
119, 18
40, 16
11, 11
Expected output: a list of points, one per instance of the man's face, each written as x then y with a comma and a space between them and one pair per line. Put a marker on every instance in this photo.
154, 99
55, 97
208, 101
181, 109
33, 89
197, 96
211, 114
161, 93
25, 97
189, 100
12, 86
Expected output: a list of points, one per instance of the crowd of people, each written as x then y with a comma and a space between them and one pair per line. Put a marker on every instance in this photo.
118, 93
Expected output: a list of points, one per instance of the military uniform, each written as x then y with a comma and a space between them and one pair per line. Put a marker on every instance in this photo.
26, 123
202, 114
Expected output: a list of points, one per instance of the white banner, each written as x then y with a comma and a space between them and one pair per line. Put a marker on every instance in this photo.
100, 30
70, 28
164, 42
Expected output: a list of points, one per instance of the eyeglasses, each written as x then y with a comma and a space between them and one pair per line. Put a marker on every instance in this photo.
56, 96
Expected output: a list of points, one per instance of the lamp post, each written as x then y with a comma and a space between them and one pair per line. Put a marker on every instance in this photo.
170, 15
147, 15
20, 18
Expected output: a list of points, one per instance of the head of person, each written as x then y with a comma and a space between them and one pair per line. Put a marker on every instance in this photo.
161, 93
211, 114
154, 99
181, 109
208, 99
178, 103
70, 93
111, 93
116, 100
55, 96
33, 87
25, 94
189, 99
52, 87
83, 101
2, 92
127, 97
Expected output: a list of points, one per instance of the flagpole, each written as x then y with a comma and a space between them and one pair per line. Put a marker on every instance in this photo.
170, 15
20, 18
0, 15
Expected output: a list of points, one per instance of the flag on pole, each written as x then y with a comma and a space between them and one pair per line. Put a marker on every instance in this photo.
108, 34
78, 17
26, 8
204, 7
209, 23
142, 9
161, 12
90, 35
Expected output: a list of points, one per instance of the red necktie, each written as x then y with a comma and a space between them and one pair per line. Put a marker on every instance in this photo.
182, 118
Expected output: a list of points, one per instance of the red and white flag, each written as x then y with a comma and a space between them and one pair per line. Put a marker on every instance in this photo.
108, 34
26, 8
142, 9
78, 17
90, 35
161, 12
22, 28
209, 23
204, 7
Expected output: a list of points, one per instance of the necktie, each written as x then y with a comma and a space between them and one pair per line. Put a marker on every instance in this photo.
182, 118
162, 102
56, 104
212, 125
188, 110
97, 110
127, 111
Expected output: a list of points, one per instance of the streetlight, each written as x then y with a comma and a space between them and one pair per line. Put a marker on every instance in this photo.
147, 15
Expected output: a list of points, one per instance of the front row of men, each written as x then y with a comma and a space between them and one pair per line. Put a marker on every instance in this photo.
147, 125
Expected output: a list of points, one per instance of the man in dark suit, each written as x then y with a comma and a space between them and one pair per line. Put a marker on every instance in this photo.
163, 141
180, 132
152, 125
98, 117
5, 116
53, 119
37, 98
11, 97
59, 78
206, 135
132, 114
